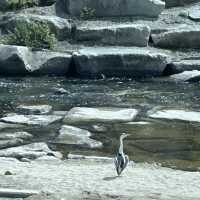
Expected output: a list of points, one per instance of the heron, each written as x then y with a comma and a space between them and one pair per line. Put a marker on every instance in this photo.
121, 159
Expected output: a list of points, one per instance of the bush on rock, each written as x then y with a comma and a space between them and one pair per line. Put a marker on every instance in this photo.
36, 35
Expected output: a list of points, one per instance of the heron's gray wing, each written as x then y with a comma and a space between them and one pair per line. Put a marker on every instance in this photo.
126, 162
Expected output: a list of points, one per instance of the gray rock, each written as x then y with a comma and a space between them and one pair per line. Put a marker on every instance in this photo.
59, 113
85, 114
10, 143
176, 114
15, 193
36, 109
9, 126
185, 37
105, 8
127, 35
181, 66
20, 135
30, 151
60, 91
173, 3
75, 136
18, 60
194, 14
42, 120
59, 26
189, 76
119, 61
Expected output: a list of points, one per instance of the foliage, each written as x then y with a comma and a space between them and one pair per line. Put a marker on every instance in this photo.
37, 35
87, 13
17, 4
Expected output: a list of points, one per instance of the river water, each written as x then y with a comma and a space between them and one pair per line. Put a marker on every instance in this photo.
169, 142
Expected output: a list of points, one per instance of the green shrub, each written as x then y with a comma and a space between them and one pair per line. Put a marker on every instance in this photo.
37, 35
87, 13
17, 4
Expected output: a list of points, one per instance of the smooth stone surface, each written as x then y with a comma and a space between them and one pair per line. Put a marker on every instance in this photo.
121, 34
9, 126
84, 179
59, 26
42, 120
190, 76
185, 37
30, 151
106, 8
75, 136
36, 109
181, 66
177, 114
19, 60
86, 114
120, 62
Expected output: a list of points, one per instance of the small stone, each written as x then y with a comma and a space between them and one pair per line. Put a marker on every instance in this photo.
7, 173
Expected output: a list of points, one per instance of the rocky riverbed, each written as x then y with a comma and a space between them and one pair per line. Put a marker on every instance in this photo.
133, 67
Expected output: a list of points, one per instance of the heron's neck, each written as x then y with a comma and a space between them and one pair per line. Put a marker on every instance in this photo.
121, 147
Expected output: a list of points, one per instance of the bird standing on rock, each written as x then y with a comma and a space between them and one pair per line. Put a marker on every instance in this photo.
121, 159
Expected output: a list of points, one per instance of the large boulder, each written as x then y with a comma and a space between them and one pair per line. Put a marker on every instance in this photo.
173, 3
128, 35
18, 60
188, 76
85, 114
119, 61
106, 8
71, 135
190, 116
59, 26
31, 151
41, 120
35, 109
181, 66
185, 37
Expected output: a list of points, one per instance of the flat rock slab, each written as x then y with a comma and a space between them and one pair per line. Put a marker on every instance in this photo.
41, 120
182, 65
107, 8
9, 135
177, 114
9, 126
30, 151
59, 26
121, 34
120, 62
187, 76
35, 109
10, 143
27, 62
194, 14
85, 114
97, 180
15, 193
75, 136
185, 37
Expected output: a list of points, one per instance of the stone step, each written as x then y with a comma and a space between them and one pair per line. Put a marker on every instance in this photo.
118, 34
107, 8
185, 37
119, 61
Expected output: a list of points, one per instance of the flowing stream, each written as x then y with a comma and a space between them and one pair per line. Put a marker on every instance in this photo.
168, 142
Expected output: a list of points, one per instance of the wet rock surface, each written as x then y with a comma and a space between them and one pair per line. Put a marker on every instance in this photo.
36, 109
188, 76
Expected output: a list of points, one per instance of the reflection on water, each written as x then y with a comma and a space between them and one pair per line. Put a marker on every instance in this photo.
172, 143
